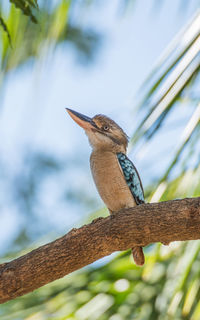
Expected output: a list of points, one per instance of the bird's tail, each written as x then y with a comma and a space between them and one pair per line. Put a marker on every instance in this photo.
138, 256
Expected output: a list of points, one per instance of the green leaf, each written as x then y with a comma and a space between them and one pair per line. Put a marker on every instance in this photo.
25, 7
33, 3
4, 26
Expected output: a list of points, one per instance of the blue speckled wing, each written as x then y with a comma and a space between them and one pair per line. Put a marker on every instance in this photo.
132, 177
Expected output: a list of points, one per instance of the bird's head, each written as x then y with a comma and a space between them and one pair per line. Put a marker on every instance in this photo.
103, 132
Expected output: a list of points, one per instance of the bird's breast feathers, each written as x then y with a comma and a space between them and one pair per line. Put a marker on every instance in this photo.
109, 176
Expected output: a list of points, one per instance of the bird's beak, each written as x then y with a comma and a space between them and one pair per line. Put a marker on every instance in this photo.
82, 120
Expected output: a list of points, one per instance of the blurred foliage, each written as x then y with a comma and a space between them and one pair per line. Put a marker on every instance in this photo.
32, 30
40, 184
55, 25
27, 7
168, 286
172, 84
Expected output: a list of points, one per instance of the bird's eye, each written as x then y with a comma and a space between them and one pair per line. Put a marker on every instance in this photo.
105, 128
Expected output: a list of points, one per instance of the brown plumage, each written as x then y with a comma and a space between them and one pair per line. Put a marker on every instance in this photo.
112, 188
107, 140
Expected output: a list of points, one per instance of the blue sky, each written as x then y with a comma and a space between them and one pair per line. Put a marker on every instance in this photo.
35, 96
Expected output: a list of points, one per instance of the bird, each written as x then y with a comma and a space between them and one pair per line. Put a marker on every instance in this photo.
115, 176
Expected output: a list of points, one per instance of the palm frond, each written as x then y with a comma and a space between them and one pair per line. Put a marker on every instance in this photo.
183, 67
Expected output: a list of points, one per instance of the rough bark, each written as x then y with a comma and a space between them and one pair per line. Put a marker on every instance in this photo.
157, 222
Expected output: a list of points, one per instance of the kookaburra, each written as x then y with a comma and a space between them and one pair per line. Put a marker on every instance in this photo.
115, 176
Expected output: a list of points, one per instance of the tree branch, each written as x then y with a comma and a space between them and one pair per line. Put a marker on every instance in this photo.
157, 222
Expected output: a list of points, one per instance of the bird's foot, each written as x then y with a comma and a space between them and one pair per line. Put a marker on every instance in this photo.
166, 243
